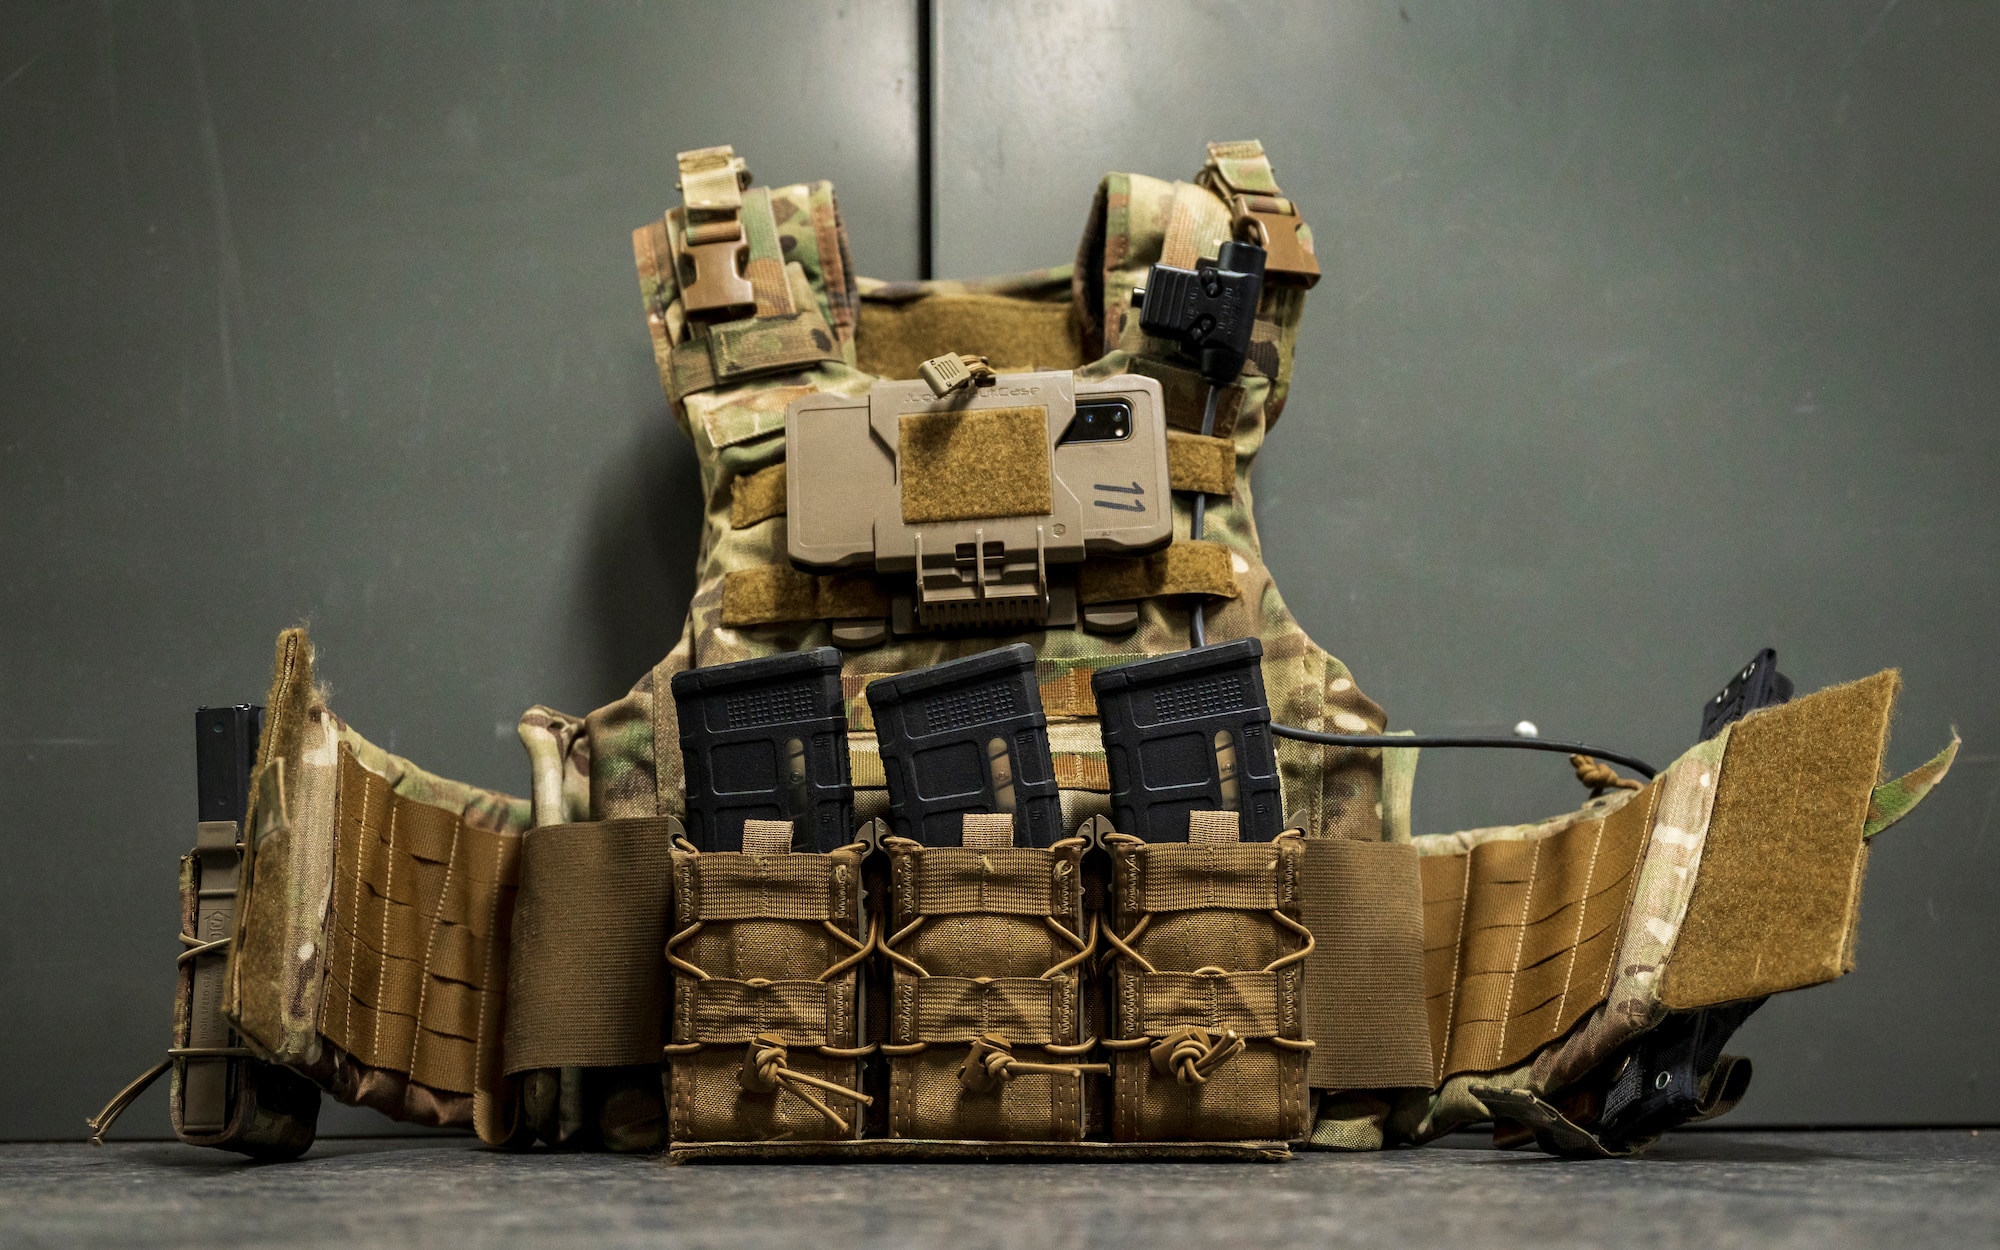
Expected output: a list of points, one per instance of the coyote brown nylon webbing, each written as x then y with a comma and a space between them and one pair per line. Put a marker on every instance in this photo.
1365, 980
417, 965
1519, 936
587, 986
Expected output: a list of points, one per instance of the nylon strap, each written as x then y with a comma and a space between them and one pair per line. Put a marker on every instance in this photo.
1031, 1011
762, 887
1176, 876
987, 831
1364, 980
766, 267
946, 881
724, 1012
1241, 174
1185, 568
587, 985
774, 593
1246, 1002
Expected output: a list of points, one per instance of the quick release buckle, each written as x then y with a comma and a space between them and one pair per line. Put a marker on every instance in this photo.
1273, 223
715, 248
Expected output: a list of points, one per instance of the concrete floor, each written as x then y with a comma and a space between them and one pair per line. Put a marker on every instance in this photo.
1827, 1191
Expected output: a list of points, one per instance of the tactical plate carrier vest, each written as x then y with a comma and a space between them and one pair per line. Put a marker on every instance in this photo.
568, 968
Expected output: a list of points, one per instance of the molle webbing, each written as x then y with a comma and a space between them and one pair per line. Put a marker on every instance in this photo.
587, 983
417, 960
1209, 1041
775, 593
766, 954
1519, 935
988, 1006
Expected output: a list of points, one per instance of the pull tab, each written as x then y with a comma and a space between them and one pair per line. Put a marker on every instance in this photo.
945, 374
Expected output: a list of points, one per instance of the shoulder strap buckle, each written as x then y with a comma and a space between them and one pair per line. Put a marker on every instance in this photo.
1273, 223
714, 248
1240, 173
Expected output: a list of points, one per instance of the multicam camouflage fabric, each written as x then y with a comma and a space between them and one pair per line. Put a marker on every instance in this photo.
738, 430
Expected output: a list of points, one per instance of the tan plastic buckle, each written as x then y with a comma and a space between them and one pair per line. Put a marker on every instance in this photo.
1273, 224
712, 281
715, 248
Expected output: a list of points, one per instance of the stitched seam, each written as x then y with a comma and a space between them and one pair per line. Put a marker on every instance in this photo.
1520, 941
1457, 964
354, 907
388, 905
430, 947
488, 995
1582, 909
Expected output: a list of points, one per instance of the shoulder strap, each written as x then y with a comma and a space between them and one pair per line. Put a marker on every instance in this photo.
741, 281
1137, 222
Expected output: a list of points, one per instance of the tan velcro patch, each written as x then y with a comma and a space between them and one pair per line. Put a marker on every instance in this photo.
775, 593
1775, 902
1204, 464
1186, 568
986, 462
772, 593
757, 497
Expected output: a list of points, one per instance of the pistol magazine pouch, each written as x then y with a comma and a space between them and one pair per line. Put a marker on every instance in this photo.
228, 1100
766, 958
989, 1032
1209, 992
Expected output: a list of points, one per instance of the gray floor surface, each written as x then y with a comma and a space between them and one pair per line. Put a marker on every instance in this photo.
1827, 1190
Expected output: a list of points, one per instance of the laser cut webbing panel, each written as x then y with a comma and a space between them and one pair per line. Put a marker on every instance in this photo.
417, 954
1519, 936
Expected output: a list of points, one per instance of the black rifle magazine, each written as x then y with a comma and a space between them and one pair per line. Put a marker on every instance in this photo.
965, 736
766, 739
1190, 732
